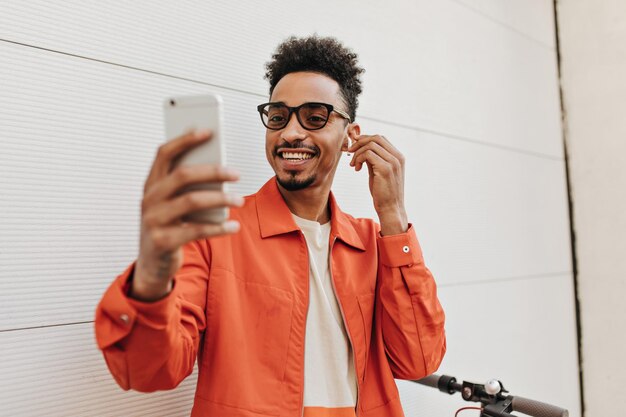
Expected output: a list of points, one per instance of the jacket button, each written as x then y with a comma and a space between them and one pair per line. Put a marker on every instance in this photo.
124, 318
405, 249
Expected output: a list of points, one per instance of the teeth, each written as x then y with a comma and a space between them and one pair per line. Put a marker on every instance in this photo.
296, 155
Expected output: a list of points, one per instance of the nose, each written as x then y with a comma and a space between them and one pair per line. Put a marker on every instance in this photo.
293, 131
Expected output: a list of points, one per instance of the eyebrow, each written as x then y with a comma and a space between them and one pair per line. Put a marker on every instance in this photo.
335, 106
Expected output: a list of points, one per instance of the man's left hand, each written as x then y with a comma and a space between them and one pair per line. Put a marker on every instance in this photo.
386, 180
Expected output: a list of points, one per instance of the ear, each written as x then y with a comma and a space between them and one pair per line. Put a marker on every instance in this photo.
354, 130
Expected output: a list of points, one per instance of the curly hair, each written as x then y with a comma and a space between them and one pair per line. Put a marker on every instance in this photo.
322, 55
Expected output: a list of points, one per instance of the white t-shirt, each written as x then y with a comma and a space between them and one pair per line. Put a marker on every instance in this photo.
330, 385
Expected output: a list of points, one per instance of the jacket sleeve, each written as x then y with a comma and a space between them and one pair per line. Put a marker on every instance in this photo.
153, 346
412, 320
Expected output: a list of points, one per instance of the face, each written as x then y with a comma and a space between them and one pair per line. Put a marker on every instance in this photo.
307, 158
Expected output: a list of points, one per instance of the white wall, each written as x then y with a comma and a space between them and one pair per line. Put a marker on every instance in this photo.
593, 63
466, 89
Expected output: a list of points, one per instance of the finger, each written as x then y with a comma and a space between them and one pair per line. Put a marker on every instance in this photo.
172, 149
381, 140
361, 141
201, 230
184, 176
374, 161
379, 150
167, 239
170, 211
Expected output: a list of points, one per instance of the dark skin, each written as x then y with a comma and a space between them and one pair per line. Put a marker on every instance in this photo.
385, 165
384, 162
163, 233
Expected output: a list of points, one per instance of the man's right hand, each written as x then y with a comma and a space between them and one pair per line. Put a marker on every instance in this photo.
163, 233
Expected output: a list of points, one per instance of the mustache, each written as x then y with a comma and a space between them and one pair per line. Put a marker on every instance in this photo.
296, 144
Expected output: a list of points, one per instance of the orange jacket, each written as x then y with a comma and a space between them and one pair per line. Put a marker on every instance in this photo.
239, 305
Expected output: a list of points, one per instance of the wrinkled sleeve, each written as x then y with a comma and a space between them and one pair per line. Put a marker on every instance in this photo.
153, 346
412, 319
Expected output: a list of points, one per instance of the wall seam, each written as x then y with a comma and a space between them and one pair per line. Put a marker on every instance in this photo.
504, 24
45, 326
570, 209
495, 281
373, 119
547, 275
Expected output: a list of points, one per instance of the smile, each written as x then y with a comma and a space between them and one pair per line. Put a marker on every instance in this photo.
296, 156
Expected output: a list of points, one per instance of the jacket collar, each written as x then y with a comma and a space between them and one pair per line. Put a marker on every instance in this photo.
275, 217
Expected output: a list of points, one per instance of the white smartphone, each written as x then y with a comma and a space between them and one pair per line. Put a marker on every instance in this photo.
198, 112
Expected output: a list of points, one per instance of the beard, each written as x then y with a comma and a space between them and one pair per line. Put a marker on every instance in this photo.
293, 184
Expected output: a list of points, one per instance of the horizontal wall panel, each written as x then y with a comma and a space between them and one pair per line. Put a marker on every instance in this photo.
490, 330
483, 213
460, 74
81, 136
457, 72
72, 195
59, 371
534, 18
494, 328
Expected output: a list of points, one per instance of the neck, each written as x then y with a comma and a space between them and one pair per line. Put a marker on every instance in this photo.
310, 203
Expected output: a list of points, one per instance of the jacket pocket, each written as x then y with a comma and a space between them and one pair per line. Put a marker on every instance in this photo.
366, 306
246, 343
378, 386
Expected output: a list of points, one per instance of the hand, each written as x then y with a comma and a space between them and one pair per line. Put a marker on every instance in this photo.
386, 179
163, 233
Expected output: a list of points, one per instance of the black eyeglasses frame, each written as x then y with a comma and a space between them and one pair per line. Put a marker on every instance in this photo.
296, 109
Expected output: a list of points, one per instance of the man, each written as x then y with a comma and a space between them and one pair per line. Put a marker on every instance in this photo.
292, 307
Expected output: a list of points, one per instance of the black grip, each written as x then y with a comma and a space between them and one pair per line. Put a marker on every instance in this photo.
430, 381
537, 408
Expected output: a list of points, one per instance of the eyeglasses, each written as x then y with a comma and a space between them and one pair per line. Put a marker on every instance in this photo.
311, 116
